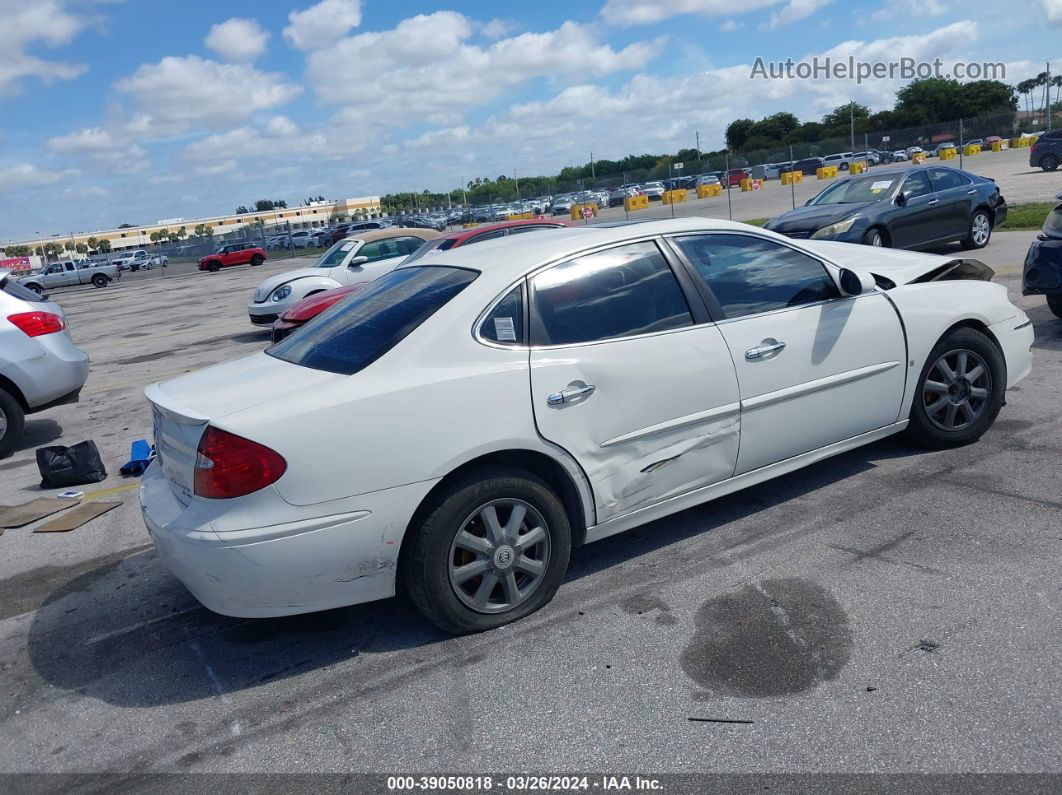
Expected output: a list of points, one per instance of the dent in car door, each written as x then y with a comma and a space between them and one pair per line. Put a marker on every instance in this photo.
813, 368
644, 400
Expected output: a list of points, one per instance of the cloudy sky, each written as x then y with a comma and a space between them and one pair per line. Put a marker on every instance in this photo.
118, 111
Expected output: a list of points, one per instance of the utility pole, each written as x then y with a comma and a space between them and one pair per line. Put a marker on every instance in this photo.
516, 179
698, 148
593, 176
851, 118
1048, 96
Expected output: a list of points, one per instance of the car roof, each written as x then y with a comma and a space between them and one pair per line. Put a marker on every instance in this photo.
505, 259
369, 235
464, 234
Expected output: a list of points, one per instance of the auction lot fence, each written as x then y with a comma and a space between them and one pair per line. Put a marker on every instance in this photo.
928, 137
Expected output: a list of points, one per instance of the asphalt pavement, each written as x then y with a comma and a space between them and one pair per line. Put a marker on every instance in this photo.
886, 610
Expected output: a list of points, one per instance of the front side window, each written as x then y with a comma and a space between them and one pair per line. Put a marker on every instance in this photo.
380, 249
359, 330
749, 275
335, 255
917, 184
620, 292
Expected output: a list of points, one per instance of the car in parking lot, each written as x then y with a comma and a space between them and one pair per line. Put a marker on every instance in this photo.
69, 274
899, 156
733, 178
456, 428
620, 195
809, 166
1046, 153
360, 258
654, 190
233, 254
40, 366
901, 208
1042, 274
841, 160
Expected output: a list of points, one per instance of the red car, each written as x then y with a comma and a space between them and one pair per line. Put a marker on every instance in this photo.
233, 254
732, 178
309, 308
313, 305
465, 237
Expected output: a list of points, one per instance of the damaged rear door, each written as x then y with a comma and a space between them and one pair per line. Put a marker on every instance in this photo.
629, 376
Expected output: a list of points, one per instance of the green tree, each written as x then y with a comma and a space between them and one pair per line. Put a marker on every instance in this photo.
125, 226
93, 243
105, 245
69, 245
81, 248
241, 210
737, 133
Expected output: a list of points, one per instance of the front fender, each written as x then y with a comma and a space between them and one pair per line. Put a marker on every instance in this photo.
929, 309
304, 286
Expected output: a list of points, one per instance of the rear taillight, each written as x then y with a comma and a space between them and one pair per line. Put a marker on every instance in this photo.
36, 324
227, 465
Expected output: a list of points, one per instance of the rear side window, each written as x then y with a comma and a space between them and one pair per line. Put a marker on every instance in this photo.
1053, 224
620, 292
356, 332
505, 323
948, 178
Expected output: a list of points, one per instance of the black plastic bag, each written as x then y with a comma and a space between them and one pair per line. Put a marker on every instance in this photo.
70, 466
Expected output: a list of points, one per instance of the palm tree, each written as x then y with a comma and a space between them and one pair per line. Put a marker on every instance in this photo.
93, 243
1042, 82
1025, 88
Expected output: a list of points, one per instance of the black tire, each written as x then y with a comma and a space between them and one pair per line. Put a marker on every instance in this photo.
874, 237
13, 423
428, 552
100, 280
1049, 162
257, 260
36, 288
214, 267
1054, 303
925, 431
971, 241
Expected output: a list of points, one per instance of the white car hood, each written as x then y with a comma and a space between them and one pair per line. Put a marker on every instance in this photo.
900, 267
273, 282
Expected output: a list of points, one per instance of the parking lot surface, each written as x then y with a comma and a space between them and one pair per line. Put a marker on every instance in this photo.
929, 581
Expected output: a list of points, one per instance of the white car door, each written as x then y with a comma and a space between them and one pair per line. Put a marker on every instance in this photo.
630, 377
814, 367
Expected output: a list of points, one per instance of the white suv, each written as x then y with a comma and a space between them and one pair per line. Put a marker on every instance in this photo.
40, 366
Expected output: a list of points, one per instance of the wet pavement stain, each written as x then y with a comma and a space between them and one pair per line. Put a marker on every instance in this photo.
640, 604
771, 638
147, 357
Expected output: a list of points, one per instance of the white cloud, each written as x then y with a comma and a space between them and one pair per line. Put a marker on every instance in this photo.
1053, 10
797, 10
910, 9
29, 25
117, 155
279, 138
323, 24
498, 28
425, 66
237, 39
28, 175
730, 26
642, 12
182, 93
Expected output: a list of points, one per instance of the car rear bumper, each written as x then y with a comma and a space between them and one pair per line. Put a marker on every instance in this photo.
55, 376
280, 569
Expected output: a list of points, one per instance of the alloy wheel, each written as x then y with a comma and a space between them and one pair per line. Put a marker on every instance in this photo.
957, 390
499, 556
981, 230
3, 424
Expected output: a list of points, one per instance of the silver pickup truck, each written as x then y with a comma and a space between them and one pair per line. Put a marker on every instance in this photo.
139, 260
68, 274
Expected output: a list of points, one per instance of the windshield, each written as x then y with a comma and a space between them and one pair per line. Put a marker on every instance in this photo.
441, 243
856, 191
335, 255
354, 333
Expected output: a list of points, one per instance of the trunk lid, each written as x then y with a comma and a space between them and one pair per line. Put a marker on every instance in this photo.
182, 408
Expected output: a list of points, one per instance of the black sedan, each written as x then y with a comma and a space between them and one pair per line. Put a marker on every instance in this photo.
901, 208
1043, 263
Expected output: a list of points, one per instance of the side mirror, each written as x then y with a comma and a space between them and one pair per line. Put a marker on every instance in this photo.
357, 262
901, 199
852, 283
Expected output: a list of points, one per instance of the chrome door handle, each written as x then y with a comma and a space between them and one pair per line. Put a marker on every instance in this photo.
970, 192
559, 398
763, 350
935, 201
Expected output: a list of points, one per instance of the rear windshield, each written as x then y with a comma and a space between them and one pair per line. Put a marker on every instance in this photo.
17, 290
441, 243
354, 333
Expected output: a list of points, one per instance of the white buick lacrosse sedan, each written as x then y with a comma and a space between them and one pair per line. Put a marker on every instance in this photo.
456, 428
